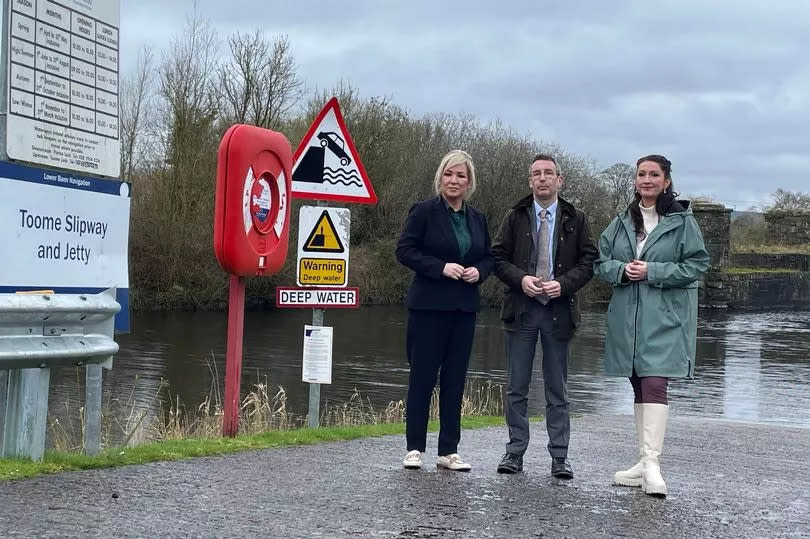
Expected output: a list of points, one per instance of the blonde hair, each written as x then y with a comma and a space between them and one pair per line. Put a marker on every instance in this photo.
451, 159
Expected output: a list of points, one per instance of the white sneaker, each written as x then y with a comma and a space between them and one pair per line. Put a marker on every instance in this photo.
453, 462
413, 460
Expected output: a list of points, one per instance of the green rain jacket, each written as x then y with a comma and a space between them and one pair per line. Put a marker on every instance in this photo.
652, 324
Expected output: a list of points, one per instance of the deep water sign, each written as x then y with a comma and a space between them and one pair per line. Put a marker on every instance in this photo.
64, 232
323, 246
321, 298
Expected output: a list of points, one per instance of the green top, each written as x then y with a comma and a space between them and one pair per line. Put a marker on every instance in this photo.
458, 219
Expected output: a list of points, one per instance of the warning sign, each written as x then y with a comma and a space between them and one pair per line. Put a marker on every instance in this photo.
340, 298
322, 271
326, 165
323, 238
323, 246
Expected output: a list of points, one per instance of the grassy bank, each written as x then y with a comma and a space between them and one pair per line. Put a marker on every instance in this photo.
56, 462
743, 271
167, 430
771, 249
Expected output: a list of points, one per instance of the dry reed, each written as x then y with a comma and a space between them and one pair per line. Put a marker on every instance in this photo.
131, 423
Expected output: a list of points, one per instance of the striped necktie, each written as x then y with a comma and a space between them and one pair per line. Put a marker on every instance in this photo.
542, 246
542, 270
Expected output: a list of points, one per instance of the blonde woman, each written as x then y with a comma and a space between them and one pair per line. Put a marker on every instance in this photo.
445, 241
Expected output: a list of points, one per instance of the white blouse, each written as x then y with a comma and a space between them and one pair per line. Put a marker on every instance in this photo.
651, 219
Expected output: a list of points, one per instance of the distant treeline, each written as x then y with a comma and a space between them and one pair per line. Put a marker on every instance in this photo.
176, 108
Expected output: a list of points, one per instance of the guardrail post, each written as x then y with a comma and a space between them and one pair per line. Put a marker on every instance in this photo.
92, 410
26, 413
92, 388
3, 399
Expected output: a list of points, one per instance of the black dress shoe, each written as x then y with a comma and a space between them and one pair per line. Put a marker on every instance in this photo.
511, 463
561, 469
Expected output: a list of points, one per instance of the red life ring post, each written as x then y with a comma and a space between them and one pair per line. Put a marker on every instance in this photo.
251, 231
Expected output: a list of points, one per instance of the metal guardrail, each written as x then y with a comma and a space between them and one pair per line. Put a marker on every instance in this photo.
40, 331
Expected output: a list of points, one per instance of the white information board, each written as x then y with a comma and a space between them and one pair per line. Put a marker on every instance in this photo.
317, 367
64, 232
62, 76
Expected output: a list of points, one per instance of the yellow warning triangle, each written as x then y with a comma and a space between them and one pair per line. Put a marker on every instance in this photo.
324, 237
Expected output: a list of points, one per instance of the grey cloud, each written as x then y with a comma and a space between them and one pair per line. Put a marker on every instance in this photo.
720, 87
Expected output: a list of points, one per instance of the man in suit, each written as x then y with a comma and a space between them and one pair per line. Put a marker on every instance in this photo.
445, 241
544, 253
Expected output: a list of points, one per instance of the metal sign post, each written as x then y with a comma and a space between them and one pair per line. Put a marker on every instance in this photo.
314, 409
314, 412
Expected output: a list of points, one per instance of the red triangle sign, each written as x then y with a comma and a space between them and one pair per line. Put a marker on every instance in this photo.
326, 165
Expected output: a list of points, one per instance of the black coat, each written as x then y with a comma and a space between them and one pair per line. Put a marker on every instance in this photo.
428, 242
574, 253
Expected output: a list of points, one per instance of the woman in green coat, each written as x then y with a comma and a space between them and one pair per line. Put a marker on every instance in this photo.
653, 255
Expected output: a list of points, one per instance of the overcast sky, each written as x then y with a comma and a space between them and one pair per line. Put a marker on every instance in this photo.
720, 87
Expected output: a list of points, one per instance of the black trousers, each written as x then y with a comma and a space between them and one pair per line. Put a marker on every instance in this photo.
438, 343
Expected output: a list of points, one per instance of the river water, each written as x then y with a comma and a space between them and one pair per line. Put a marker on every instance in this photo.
751, 366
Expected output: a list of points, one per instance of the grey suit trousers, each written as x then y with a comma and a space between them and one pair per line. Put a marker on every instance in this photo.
521, 345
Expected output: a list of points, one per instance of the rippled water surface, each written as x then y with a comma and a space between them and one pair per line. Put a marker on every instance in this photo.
751, 366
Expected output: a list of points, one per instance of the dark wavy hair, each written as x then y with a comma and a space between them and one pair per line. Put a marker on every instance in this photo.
665, 203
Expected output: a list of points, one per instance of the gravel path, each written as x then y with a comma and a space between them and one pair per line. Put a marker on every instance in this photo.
725, 480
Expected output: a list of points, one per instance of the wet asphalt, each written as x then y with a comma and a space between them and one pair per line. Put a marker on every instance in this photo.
725, 479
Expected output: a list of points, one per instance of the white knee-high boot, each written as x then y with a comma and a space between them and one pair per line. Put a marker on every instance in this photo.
655, 425
632, 476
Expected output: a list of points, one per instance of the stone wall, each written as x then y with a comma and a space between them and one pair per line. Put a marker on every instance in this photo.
788, 228
766, 290
799, 262
723, 286
712, 291
715, 224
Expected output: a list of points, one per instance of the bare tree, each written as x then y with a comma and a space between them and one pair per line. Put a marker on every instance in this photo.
789, 201
347, 94
173, 205
187, 90
259, 84
136, 99
619, 180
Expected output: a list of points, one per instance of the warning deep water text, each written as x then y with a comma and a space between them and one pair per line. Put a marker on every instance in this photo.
321, 271
309, 297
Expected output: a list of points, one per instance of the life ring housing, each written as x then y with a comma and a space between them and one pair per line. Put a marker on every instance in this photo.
252, 205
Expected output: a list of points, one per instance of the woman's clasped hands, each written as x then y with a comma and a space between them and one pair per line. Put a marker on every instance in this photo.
636, 270
457, 271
